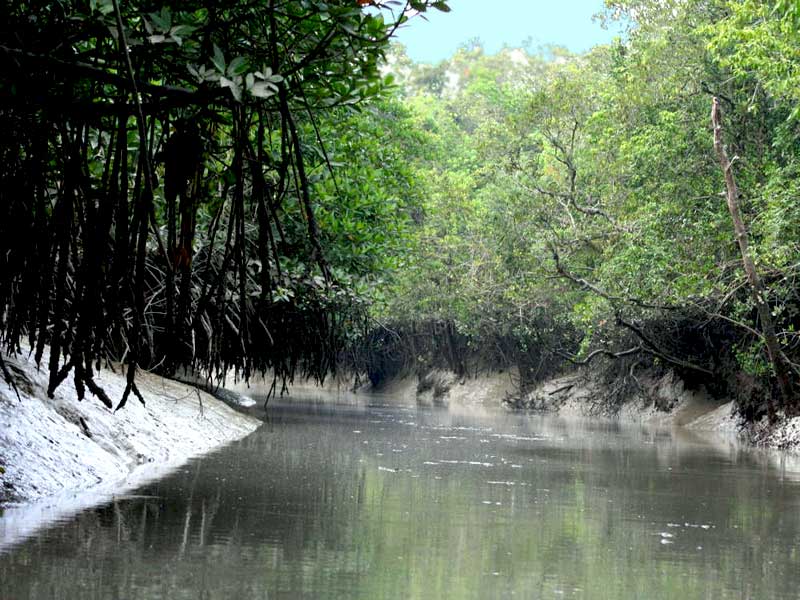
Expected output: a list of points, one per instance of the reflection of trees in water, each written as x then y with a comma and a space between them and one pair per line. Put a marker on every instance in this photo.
304, 507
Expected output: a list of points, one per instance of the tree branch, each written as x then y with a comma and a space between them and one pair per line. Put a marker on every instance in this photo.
600, 352
651, 348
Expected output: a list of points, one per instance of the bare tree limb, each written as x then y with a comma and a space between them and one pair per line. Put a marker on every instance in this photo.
780, 363
651, 347
586, 285
600, 352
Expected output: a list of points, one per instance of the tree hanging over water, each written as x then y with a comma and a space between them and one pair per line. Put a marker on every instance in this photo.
158, 175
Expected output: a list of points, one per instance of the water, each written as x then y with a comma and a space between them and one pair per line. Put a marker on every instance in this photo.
386, 502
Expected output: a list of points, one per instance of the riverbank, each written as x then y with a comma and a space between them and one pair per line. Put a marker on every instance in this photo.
662, 400
437, 387
61, 446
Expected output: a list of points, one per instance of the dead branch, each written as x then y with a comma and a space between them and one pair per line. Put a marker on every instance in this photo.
780, 364
600, 352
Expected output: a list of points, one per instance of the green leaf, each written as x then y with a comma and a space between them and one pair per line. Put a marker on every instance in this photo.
162, 20
237, 66
218, 59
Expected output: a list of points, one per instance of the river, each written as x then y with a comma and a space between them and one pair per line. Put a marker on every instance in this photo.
379, 501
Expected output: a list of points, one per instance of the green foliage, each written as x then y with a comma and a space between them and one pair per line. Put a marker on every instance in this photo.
533, 198
585, 188
761, 40
197, 184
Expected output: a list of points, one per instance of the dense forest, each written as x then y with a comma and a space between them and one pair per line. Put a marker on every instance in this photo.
585, 208
273, 185
186, 184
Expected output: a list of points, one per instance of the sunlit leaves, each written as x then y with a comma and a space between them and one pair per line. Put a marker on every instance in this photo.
608, 158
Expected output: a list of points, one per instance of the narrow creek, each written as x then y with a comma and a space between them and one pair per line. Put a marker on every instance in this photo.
380, 501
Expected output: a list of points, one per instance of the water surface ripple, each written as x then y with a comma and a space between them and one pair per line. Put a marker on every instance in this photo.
378, 502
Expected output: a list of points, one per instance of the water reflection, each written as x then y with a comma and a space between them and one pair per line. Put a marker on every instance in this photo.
357, 501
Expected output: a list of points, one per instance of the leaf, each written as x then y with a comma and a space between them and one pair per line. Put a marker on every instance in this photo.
179, 32
263, 89
182, 30
162, 20
234, 87
218, 59
237, 66
266, 73
106, 7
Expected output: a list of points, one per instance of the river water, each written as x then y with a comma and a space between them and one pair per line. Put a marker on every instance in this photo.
379, 501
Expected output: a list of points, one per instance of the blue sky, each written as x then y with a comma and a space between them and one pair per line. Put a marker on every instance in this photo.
496, 22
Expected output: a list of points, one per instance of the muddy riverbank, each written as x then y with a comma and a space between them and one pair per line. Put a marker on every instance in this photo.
663, 399
61, 446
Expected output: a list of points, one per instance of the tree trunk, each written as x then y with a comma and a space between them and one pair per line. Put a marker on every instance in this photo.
780, 363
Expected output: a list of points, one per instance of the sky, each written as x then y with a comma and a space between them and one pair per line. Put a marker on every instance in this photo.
497, 22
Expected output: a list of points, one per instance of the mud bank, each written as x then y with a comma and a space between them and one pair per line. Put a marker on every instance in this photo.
61, 447
663, 400
435, 388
